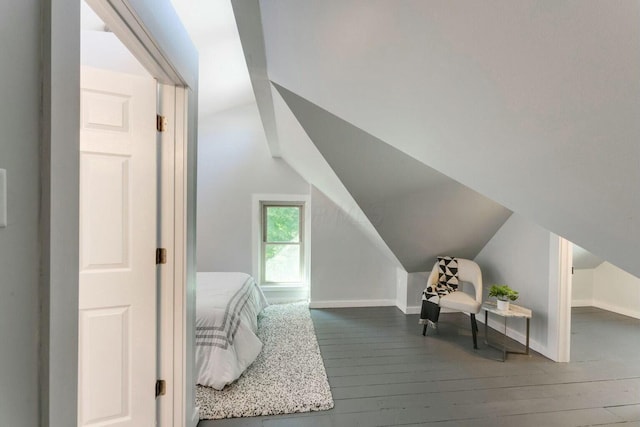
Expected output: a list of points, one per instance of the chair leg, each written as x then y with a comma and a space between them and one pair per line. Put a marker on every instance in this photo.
474, 331
424, 330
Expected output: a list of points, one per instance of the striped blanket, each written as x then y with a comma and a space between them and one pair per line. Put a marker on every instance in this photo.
227, 307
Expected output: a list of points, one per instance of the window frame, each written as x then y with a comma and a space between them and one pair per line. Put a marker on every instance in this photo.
305, 236
264, 206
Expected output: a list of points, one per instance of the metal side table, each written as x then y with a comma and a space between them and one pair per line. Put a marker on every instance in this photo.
514, 311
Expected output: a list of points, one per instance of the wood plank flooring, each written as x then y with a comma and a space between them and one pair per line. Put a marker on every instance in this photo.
383, 372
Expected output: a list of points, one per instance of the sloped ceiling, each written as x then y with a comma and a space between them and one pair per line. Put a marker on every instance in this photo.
532, 104
419, 212
583, 259
223, 76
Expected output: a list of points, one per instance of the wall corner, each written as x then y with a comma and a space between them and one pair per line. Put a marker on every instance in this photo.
402, 282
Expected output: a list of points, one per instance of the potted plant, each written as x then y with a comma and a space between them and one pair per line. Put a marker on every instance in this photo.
504, 294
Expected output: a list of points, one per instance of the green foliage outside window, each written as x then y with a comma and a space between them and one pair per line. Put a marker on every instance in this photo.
283, 224
282, 259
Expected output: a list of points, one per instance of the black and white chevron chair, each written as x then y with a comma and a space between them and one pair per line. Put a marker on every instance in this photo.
458, 301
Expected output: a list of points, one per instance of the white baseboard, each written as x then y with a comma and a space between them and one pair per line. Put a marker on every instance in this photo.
352, 303
606, 306
195, 417
402, 307
616, 309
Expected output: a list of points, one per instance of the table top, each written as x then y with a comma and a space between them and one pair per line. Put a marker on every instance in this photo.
514, 310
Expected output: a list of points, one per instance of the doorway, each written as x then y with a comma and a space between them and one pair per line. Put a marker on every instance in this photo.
117, 281
153, 31
132, 323
605, 310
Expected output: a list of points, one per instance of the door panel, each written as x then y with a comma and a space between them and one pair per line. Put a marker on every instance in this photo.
105, 189
106, 348
105, 111
117, 318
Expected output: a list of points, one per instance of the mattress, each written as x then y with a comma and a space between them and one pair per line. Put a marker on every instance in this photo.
227, 308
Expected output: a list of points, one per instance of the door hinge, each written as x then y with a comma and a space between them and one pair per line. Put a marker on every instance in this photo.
161, 256
161, 388
161, 123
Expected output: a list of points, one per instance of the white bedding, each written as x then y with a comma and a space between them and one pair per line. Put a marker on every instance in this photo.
227, 310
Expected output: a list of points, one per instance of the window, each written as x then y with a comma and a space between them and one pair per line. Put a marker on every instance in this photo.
282, 252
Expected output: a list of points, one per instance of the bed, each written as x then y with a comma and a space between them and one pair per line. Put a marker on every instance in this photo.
227, 310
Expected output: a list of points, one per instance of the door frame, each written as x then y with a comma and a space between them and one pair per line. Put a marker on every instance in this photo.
560, 279
171, 225
564, 298
153, 33
172, 236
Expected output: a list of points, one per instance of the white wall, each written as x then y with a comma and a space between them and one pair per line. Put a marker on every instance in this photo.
616, 290
607, 287
19, 241
234, 162
346, 269
104, 50
582, 287
519, 256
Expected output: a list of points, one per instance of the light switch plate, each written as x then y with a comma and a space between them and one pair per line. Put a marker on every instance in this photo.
3, 198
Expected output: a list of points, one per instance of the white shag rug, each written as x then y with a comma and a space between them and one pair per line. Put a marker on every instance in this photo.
288, 376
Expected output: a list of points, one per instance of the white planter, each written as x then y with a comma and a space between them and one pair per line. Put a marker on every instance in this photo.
503, 305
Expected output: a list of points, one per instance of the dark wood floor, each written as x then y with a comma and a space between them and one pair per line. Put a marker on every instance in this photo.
383, 372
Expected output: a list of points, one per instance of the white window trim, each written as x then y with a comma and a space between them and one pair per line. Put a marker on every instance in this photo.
301, 243
256, 236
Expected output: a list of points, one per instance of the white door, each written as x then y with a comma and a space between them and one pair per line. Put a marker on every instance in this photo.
117, 318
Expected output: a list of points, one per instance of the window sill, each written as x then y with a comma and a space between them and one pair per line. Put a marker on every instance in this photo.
285, 293
283, 286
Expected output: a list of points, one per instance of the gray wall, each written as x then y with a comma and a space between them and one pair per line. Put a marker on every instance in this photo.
191, 415
416, 283
19, 248
345, 265
583, 259
59, 212
519, 255
419, 212
233, 163
520, 101
304, 157
444, 219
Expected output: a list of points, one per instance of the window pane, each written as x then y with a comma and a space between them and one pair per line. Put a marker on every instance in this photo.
282, 263
283, 224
